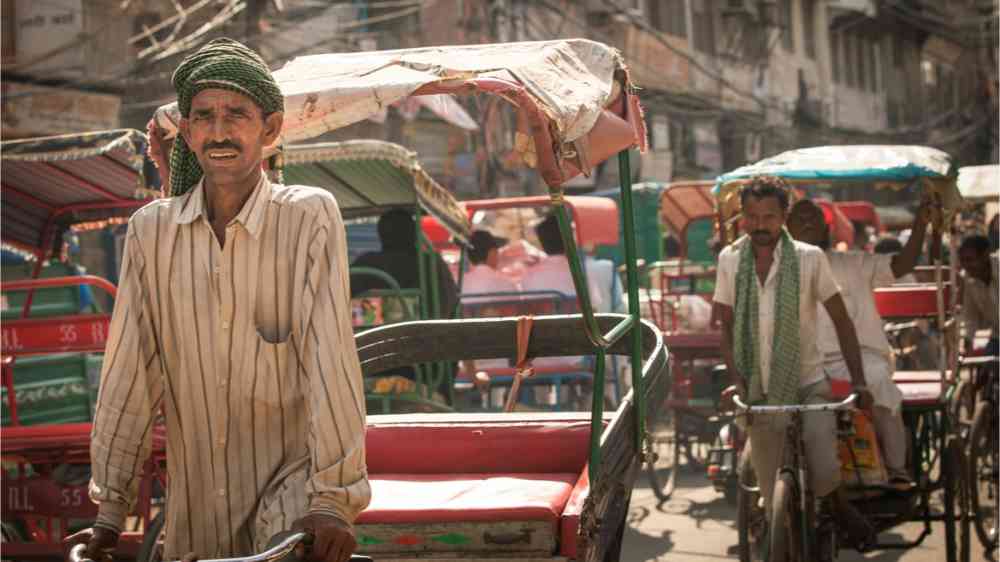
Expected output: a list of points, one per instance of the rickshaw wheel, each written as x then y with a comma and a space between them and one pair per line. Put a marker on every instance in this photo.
751, 520
785, 539
962, 404
662, 470
982, 475
956, 507
151, 549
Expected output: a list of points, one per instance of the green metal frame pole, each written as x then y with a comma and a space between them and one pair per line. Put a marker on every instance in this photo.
596, 419
632, 275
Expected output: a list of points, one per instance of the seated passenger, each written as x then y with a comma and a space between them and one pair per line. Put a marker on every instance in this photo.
484, 257
858, 273
398, 258
979, 295
552, 272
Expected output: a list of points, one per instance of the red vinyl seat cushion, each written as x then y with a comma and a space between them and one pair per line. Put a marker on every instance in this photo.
454, 498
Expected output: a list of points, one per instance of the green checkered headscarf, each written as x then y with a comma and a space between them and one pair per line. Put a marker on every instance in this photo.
228, 65
783, 383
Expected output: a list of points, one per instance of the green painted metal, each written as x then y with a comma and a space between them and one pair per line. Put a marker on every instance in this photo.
628, 325
54, 389
366, 540
452, 538
632, 278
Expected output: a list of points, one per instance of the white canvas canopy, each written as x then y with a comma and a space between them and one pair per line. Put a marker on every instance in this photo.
568, 86
980, 183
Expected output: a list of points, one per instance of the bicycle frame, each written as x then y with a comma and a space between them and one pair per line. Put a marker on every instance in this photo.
794, 462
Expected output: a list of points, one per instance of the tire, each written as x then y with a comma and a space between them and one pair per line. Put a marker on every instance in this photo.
662, 469
751, 521
962, 404
151, 550
785, 539
982, 475
955, 504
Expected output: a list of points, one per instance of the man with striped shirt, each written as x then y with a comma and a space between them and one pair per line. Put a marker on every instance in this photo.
234, 317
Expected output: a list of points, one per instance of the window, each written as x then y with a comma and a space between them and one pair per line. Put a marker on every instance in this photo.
898, 51
862, 68
703, 17
787, 29
809, 27
836, 62
849, 59
9, 25
668, 16
872, 52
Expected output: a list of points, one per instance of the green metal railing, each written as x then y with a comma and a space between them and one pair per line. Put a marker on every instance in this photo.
628, 326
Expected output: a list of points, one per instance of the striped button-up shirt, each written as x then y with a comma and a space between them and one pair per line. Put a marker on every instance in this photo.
249, 350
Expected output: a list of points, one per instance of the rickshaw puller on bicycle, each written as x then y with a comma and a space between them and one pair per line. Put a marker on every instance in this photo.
858, 274
767, 290
233, 314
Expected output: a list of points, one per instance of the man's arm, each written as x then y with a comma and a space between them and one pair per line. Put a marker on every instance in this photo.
725, 316
972, 317
339, 486
131, 390
848, 339
905, 261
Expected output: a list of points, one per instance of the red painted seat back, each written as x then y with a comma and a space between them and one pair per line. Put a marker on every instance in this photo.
463, 448
909, 301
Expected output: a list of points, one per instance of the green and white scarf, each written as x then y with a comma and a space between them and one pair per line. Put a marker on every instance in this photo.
783, 383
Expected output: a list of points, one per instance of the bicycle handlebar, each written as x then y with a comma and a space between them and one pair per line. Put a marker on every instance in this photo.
278, 552
846, 404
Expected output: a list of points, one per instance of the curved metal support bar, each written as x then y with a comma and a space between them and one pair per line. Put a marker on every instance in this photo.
377, 273
67, 281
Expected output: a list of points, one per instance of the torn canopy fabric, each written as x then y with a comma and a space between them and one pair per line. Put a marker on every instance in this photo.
566, 86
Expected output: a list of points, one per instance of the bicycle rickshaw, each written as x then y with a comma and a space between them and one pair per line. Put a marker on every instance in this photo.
566, 380
368, 178
978, 404
536, 486
52, 346
935, 455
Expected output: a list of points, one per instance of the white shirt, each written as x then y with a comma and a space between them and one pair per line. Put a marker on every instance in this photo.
482, 278
603, 274
857, 274
552, 274
816, 286
979, 302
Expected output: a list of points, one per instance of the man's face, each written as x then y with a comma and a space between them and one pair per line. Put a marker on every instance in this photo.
227, 132
493, 258
975, 263
762, 220
807, 224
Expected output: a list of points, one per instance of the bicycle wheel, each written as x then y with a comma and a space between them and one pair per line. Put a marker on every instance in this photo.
786, 539
751, 520
956, 504
662, 469
983, 474
962, 403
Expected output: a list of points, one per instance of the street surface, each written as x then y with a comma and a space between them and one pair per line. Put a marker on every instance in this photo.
697, 525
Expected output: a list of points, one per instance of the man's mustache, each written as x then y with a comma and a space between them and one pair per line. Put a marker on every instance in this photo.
760, 233
221, 145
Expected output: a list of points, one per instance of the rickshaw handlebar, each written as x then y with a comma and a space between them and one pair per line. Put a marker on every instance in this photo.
278, 552
846, 404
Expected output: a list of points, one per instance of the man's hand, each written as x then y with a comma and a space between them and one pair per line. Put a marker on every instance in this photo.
101, 543
738, 388
334, 539
865, 399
